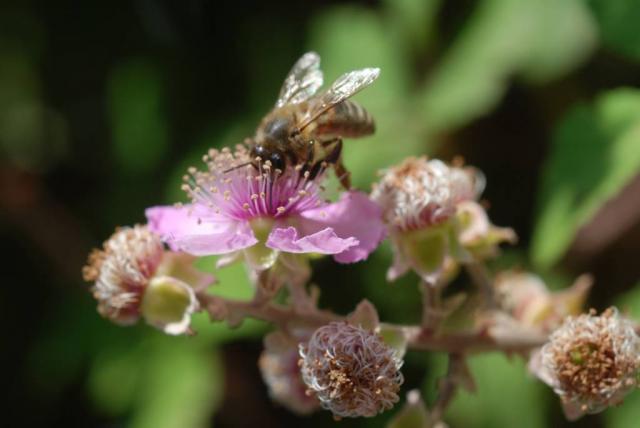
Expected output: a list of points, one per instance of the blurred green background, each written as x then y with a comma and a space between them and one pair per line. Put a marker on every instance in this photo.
104, 104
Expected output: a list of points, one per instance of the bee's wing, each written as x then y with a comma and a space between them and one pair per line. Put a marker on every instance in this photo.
304, 79
344, 87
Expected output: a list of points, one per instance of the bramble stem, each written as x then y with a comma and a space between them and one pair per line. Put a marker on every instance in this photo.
481, 277
298, 295
448, 385
418, 338
432, 312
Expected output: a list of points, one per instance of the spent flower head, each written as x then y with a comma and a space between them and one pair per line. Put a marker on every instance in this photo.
351, 370
131, 278
263, 211
433, 218
591, 362
419, 193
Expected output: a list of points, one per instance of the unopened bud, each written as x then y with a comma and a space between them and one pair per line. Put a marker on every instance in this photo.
477, 234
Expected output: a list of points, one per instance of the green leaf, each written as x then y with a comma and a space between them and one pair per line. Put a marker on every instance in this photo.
507, 396
136, 99
618, 22
183, 386
161, 382
595, 152
540, 39
414, 20
113, 379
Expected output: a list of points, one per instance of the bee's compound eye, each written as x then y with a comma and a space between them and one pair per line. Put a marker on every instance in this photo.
256, 151
277, 160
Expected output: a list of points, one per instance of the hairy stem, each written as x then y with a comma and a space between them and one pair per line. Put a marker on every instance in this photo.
417, 337
432, 311
481, 277
448, 385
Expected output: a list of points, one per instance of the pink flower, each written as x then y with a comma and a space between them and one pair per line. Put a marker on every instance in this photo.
236, 207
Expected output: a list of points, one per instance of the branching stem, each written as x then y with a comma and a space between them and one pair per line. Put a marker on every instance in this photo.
417, 337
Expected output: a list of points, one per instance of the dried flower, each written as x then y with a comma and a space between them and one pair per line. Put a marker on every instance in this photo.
419, 193
281, 372
122, 270
351, 370
433, 218
261, 212
419, 200
591, 362
130, 276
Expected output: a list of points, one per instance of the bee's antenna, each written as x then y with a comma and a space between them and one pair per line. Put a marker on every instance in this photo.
233, 168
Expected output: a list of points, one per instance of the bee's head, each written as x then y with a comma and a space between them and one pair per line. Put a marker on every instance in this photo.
268, 153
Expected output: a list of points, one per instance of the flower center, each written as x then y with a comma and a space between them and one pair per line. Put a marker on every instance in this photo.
241, 188
589, 369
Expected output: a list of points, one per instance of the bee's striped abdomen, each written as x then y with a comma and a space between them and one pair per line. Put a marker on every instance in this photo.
346, 119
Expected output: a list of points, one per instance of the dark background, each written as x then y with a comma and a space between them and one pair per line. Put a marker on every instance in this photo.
104, 104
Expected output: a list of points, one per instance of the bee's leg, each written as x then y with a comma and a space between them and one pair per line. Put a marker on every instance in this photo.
344, 176
334, 158
321, 164
310, 152
306, 167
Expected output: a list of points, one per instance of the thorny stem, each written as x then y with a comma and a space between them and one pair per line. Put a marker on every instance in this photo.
481, 277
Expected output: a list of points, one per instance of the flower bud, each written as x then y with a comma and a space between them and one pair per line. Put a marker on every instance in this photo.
591, 362
477, 234
527, 299
281, 372
351, 370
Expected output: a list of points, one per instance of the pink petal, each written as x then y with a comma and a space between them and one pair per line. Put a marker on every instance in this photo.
322, 242
353, 216
199, 232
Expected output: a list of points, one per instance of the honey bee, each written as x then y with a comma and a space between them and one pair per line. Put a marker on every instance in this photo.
305, 130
